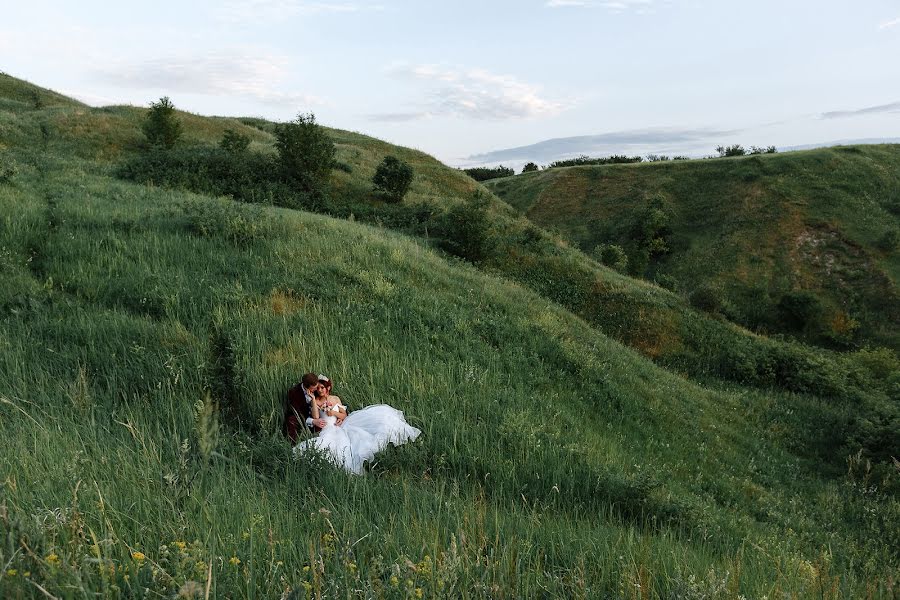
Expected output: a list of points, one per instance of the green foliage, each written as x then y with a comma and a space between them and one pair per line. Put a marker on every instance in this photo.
161, 127
890, 241
8, 168
235, 222
657, 158
530, 167
613, 256
761, 150
234, 142
707, 298
485, 173
583, 160
393, 177
246, 176
733, 150
801, 310
465, 230
305, 152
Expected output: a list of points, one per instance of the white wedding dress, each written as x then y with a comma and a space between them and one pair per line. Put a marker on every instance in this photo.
363, 433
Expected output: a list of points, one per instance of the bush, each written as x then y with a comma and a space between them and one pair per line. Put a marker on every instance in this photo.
237, 223
465, 230
529, 167
657, 158
890, 241
212, 171
162, 127
766, 150
8, 169
393, 177
305, 153
707, 298
587, 160
735, 150
612, 256
234, 142
485, 173
800, 311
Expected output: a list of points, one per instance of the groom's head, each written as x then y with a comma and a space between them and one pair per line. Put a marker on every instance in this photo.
310, 381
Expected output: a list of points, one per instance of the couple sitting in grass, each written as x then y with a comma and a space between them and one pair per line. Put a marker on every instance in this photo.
347, 440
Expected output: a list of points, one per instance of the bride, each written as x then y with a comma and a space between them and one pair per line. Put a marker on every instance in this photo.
351, 440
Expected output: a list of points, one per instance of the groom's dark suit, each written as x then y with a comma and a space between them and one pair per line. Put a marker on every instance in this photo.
297, 413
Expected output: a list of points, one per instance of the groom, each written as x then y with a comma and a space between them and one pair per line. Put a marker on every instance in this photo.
297, 408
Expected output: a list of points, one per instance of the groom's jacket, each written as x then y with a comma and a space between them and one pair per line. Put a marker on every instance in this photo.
296, 412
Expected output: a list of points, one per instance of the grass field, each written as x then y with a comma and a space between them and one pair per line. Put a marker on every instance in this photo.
143, 360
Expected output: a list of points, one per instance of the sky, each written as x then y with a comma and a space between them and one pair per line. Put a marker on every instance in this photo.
491, 81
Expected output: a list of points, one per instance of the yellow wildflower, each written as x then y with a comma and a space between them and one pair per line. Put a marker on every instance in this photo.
138, 556
12, 572
26, 574
52, 559
235, 560
306, 569
352, 567
180, 545
394, 581
419, 593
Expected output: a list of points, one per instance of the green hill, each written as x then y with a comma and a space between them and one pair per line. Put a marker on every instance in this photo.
797, 243
147, 335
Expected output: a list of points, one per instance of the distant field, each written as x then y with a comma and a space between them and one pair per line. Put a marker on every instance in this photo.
143, 361
756, 227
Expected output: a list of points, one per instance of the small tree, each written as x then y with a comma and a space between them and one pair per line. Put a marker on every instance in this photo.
162, 127
234, 142
305, 153
393, 177
529, 167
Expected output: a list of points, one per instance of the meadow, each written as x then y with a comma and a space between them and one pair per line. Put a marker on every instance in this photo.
148, 336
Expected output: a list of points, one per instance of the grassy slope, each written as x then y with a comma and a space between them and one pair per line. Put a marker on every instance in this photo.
642, 482
757, 226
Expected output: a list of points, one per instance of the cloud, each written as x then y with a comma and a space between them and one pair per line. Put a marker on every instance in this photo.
888, 24
628, 141
240, 11
217, 74
893, 107
471, 93
611, 5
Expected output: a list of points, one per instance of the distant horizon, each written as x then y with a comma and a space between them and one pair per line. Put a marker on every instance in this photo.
657, 76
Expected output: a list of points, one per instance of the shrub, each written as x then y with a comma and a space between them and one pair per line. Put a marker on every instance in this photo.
465, 230
162, 127
8, 169
235, 222
657, 158
234, 142
485, 173
890, 241
800, 310
393, 177
760, 150
305, 153
613, 256
707, 298
529, 167
735, 150
587, 160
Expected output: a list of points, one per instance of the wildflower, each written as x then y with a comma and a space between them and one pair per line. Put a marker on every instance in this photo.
307, 586
279, 563
246, 535
52, 559
351, 566
419, 592
26, 574
138, 556
394, 581
180, 545
306, 569
235, 560
12, 572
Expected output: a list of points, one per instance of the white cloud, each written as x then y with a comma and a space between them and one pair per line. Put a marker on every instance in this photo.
471, 93
640, 6
888, 24
277, 10
893, 107
216, 74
